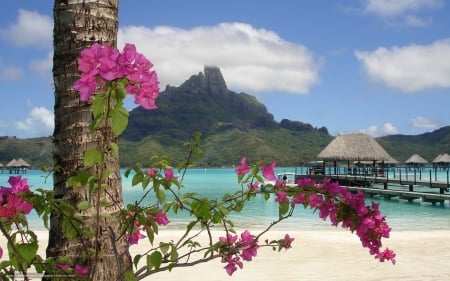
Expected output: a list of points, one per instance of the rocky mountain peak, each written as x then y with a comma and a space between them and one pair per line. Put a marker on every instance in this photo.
214, 79
211, 81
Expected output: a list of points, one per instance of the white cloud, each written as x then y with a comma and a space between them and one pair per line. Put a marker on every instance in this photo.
376, 131
422, 122
250, 59
10, 72
43, 67
40, 122
390, 8
402, 12
30, 29
410, 68
412, 20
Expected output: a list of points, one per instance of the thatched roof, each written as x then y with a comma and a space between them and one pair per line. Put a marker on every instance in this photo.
22, 163
442, 158
12, 163
354, 147
416, 159
18, 163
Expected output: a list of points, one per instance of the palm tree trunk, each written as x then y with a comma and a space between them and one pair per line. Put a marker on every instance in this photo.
77, 25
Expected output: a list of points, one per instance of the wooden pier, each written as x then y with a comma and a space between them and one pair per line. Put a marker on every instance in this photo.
395, 187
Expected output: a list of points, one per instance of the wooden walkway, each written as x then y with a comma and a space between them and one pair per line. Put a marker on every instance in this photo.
397, 187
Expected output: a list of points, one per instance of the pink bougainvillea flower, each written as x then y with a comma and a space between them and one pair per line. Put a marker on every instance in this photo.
146, 95
232, 264
89, 60
300, 198
63, 266
82, 271
288, 241
229, 239
160, 218
134, 237
18, 184
268, 171
386, 255
168, 174
249, 245
86, 85
243, 168
305, 182
281, 197
11, 203
109, 68
253, 186
103, 63
152, 172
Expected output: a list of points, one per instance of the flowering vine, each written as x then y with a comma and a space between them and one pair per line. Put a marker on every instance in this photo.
107, 76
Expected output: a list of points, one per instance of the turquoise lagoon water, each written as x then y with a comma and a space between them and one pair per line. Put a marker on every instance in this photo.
214, 182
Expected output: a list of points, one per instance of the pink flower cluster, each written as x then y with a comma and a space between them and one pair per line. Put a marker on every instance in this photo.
137, 232
268, 171
11, 202
333, 202
100, 64
82, 271
246, 247
338, 204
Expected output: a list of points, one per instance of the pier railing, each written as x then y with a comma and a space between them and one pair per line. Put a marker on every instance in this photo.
407, 183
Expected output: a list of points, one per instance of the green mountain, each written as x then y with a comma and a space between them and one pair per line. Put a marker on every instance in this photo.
427, 145
36, 151
232, 125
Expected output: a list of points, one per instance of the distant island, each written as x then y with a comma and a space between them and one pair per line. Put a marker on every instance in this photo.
232, 125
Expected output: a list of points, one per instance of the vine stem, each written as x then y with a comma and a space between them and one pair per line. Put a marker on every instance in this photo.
15, 251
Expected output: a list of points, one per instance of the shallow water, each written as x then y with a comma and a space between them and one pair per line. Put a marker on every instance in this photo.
213, 183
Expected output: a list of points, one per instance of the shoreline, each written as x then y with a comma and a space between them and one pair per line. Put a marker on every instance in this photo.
333, 254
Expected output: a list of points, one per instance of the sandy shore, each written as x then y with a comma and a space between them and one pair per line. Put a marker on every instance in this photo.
325, 255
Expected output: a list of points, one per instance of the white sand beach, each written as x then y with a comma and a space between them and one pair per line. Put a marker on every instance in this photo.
335, 254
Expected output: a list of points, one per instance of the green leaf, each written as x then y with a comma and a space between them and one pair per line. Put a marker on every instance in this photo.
119, 120
83, 205
161, 195
283, 208
136, 260
129, 275
92, 156
98, 105
137, 178
79, 179
114, 148
27, 252
69, 228
164, 247
154, 260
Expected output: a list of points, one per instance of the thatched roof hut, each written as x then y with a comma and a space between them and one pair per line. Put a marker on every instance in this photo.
12, 163
22, 163
442, 158
18, 166
354, 147
416, 159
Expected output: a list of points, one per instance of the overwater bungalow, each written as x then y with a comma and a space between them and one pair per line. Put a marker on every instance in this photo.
441, 161
357, 148
19, 166
416, 161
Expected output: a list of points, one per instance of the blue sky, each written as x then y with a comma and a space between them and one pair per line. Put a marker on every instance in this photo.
375, 66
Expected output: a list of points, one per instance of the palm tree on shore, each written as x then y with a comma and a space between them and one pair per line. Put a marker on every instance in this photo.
77, 25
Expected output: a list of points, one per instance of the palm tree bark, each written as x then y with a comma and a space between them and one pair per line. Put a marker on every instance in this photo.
77, 25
